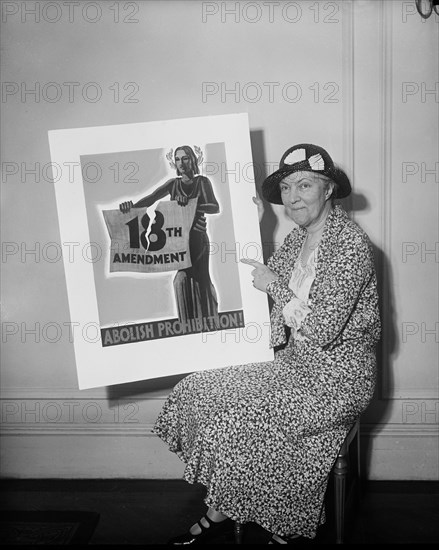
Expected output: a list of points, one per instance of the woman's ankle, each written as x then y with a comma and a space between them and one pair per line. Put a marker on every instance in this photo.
213, 515
276, 539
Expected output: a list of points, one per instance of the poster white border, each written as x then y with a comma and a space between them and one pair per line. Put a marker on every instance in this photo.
103, 366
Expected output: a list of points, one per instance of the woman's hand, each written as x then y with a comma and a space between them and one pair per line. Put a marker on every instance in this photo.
125, 207
260, 204
200, 223
182, 200
262, 275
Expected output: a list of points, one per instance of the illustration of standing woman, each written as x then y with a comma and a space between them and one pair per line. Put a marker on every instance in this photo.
194, 291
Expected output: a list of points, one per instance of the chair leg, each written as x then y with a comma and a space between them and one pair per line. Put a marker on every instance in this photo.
340, 476
357, 455
238, 528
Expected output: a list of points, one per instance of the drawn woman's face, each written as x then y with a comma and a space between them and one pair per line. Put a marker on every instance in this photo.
183, 163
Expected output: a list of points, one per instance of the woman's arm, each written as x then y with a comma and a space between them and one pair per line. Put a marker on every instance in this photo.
156, 195
346, 275
207, 203
271, 278
278, 262
149, 200
280, 291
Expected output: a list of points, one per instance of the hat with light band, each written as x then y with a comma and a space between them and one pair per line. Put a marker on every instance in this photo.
305, 157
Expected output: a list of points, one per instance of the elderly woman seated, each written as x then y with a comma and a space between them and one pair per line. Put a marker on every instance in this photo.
263, 437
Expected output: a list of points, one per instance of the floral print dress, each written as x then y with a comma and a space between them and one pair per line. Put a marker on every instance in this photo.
263, 437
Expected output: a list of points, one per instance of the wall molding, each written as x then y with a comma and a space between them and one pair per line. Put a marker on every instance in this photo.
23, 429
407, 394
75, 393
385, 162
91, 395
399, 430
348, 89
63, 411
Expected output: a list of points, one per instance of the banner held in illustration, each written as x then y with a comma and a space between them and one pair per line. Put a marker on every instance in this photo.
142, 244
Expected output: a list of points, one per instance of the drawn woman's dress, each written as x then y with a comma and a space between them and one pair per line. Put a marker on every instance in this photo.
195, 293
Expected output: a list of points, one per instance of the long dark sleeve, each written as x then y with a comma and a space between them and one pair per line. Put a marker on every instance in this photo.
156, 195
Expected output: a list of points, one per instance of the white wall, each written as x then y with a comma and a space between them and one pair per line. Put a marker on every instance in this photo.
359, 78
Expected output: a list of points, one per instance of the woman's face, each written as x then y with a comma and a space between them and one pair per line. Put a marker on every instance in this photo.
183, 163
305, 197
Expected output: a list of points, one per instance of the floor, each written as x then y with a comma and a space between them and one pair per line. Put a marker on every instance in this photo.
144, 512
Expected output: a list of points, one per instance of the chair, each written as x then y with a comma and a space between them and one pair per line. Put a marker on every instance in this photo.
341, 471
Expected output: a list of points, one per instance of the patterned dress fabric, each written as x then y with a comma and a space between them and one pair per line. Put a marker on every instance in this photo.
263, 437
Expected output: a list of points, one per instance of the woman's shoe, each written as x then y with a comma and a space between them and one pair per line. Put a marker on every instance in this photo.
214, 529
276, 539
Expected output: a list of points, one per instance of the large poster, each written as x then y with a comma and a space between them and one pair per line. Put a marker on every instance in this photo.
166, 218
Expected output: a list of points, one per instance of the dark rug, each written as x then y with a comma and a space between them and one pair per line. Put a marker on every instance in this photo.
47, 527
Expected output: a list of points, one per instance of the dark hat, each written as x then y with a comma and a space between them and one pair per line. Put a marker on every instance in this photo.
305, 157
